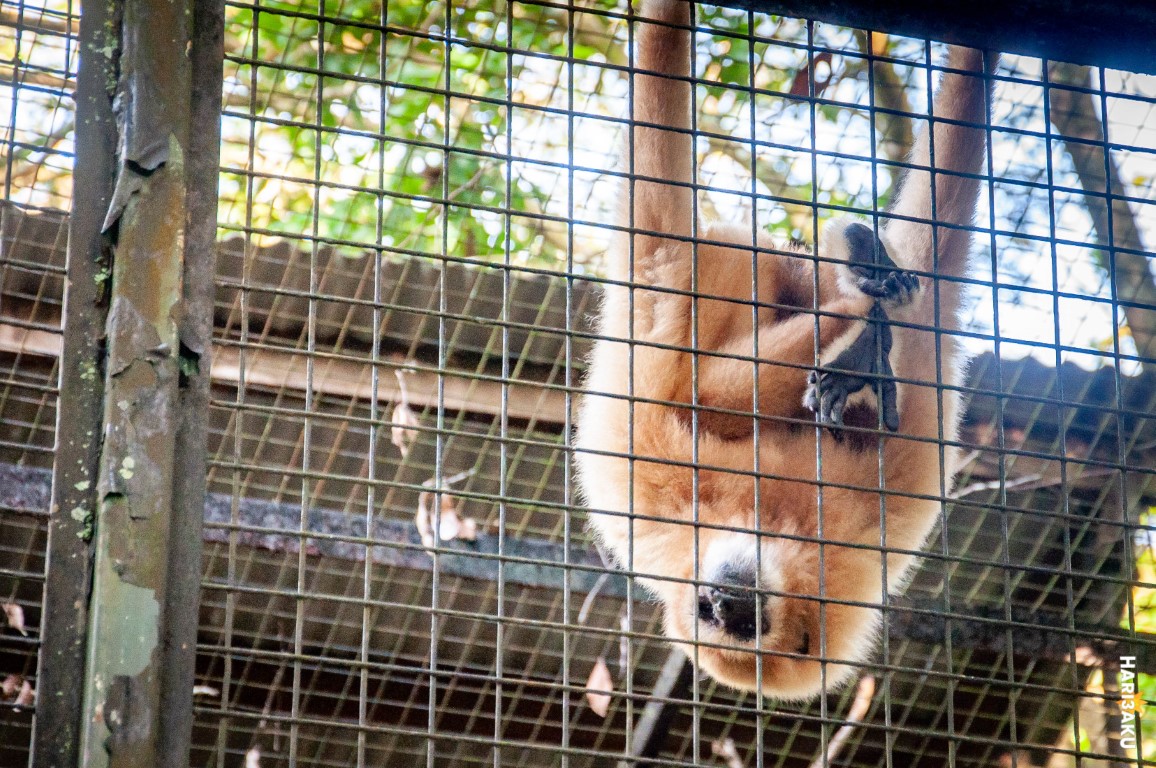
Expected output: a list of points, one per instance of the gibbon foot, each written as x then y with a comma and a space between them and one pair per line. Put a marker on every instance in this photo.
865, 362
873, 270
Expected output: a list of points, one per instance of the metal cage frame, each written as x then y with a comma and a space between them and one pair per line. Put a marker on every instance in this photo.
286, 486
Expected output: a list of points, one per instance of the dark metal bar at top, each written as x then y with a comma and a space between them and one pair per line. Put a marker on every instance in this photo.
125, 553
1096, 32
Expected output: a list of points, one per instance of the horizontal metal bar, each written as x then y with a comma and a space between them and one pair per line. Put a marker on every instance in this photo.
542, 564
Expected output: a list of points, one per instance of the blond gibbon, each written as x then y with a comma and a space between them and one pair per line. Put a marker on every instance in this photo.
762, 425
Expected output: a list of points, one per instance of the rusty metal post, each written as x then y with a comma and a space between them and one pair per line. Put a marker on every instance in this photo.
56, 728
131, 466
195, 329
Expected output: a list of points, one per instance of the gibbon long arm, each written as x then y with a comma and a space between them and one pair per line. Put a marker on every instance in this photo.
716, 321
957, 143
696, 441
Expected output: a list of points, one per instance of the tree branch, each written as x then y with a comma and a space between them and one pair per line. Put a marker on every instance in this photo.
1073, 114
896, 134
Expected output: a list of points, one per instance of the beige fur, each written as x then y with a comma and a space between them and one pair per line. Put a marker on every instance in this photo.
662, 484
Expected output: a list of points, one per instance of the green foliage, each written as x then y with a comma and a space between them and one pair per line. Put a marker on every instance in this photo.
406, 137
366, 129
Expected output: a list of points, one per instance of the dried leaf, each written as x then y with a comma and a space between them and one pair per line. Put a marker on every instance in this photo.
403, 433
623, 641
206, 690
468, 531
1086, 656
451, 523
598, 688
253, 757
726, 750
14, 614
27, 695
10, 686
424, 518
878, 44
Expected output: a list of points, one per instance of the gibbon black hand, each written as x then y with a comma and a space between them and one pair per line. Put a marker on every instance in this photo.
876, 274
866, 361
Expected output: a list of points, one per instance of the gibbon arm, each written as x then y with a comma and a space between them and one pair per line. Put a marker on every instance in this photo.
662, 99
958, 148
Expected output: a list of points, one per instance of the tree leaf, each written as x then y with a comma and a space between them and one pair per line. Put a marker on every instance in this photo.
14, 614
599, 687
404, 432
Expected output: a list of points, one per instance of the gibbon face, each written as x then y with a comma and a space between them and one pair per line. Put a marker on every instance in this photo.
787, 609
721, 618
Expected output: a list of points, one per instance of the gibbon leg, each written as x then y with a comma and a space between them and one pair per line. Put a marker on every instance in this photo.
855, 275
786, 349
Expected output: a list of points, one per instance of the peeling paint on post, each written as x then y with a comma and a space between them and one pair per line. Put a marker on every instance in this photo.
136, 286
123, 692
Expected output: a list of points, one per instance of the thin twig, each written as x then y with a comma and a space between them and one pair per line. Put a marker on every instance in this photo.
588, 603
859, 707
991, 485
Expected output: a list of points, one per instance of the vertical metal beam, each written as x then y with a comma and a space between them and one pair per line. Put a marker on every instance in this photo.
195, 330
122, 687
56, 729
131, 465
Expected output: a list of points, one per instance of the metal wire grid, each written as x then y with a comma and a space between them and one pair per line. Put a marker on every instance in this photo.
416, 303
414, 315
28, 405
37, 77
316, 637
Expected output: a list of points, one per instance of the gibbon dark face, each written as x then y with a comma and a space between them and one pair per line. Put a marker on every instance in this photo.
731, 603
768, 503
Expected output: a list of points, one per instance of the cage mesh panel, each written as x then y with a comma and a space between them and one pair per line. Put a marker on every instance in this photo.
425, 187
390, 201
37, 78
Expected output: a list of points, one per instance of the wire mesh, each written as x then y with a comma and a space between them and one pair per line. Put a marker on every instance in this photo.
414, 230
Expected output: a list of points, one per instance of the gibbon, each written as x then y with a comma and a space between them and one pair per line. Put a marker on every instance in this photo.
759, 525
